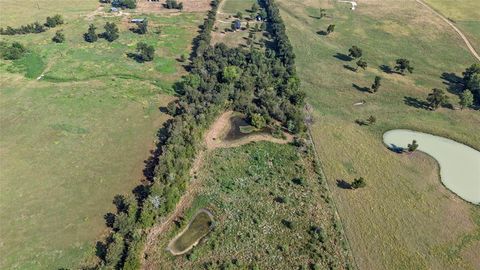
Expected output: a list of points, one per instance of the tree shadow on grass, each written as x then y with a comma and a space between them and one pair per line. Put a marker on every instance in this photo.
453, 82
350, 68
417, 103
343, 184
136, 57
396, 149
361, 89
343, 57
322, 33
387, 69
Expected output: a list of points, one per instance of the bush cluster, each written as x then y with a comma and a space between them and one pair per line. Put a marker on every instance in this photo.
12, 51
35, 27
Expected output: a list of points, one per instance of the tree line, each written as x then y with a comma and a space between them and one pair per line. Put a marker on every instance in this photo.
261, 84
35, 27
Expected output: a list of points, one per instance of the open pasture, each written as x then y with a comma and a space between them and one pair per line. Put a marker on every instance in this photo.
79, 134
464, 13
405, 218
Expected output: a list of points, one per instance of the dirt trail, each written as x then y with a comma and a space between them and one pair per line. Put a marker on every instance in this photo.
212, 141
465, 40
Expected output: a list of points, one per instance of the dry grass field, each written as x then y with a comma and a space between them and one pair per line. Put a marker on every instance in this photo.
405, 218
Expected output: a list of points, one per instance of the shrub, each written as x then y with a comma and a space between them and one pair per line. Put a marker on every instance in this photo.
54, 21
59, 37
14, 51
358, 183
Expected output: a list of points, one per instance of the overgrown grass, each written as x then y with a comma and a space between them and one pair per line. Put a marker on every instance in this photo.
270, 212
404, 218
80, 135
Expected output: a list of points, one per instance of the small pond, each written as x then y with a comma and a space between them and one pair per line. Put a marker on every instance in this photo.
459, 164
235, 133
198, 228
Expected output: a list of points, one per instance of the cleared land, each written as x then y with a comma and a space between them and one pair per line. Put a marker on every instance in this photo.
227, 15
271, 212
72, 140
404, 218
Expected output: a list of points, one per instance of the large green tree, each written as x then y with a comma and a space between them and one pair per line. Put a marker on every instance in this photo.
403, 65
436, 98
91, 35
466, 99
355, 52
111, 32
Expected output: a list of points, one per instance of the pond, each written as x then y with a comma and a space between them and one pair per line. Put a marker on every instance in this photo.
459, 164
198, 228
235, 132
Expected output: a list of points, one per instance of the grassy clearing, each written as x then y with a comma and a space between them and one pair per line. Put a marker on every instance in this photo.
404, 218
271, 212
72, 140
465, 14
234, 6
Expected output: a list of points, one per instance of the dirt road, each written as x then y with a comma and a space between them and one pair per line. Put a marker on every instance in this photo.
465, 40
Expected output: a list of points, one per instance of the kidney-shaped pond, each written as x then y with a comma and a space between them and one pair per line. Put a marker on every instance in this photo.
459, 164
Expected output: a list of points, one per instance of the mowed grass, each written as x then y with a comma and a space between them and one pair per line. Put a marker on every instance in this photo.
270, 210
72, 140
465, 14
404, 218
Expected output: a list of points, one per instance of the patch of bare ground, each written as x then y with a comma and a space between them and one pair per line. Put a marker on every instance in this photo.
146, 6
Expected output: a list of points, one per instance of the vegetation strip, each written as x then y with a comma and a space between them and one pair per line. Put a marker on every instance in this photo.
249, 81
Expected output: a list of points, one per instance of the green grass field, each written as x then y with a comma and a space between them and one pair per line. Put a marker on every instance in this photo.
234, 6
271, 212
72, 140
404, 218
465, 14
15, 14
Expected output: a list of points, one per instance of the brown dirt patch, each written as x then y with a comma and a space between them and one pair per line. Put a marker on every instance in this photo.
219, 129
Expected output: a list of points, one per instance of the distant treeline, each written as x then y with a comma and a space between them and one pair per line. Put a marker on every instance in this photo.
251, 81
35, 27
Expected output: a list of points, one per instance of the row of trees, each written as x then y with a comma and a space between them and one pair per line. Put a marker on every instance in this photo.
261, 84
35, 27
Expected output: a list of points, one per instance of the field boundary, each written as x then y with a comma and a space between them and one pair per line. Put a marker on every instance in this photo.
459, 32
322, 173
